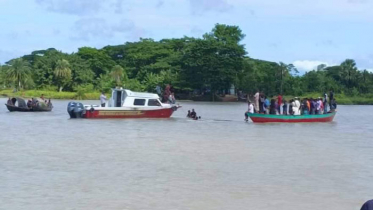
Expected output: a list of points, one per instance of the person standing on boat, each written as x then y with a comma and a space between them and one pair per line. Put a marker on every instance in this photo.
318, 105
267, 104
256, 101
261, 102
279, 102
158, 90
331, 97
285, 108
249, 110
166, 93
296, 106
103, 99
325, 103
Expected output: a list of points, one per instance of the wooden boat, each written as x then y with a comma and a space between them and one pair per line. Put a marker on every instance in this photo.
19, 105
267, 118
124, 104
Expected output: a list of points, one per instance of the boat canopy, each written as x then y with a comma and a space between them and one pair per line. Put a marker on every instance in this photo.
21, 102
141, 95
119, 95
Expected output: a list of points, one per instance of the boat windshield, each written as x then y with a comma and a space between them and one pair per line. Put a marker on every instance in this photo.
154, 102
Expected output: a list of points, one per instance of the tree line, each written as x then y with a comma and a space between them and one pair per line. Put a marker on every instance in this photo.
214, 62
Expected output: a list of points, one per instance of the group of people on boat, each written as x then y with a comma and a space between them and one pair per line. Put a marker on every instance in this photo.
33, 102
168, 95
295, 106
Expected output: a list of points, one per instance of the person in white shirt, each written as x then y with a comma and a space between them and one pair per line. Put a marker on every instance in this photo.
318, 106
103, 99
296, 106
250, 110
256, 101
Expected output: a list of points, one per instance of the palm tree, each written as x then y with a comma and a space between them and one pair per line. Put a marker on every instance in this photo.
348, 71
117, 73
62, 72
19, 72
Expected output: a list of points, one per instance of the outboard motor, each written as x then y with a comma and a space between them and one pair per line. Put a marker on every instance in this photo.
75, 109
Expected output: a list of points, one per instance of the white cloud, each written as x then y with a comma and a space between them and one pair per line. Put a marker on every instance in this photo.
307, 65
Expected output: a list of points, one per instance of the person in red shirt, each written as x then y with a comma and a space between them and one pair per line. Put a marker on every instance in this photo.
279, 102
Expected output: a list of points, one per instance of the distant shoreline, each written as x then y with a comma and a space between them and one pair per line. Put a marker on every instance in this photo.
341, 99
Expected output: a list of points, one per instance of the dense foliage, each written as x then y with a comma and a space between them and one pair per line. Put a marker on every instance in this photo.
213, 62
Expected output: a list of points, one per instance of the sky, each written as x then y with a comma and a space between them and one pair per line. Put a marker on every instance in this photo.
305, 33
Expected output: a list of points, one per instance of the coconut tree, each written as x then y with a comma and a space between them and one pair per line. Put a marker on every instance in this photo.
348, 71
62, 73
118, 73
18, 72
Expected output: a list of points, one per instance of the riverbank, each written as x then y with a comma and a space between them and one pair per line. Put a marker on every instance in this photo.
341, 98
50, 94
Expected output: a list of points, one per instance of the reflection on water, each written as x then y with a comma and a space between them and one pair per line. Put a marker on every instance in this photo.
48, 161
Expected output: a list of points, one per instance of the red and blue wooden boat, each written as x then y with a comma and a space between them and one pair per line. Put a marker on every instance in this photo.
268, 118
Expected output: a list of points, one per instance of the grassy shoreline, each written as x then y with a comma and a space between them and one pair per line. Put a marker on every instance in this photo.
341, 98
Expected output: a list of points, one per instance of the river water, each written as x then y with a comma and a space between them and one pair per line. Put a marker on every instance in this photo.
48, 161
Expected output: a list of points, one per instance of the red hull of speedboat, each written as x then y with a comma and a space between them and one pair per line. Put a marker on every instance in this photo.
159, 113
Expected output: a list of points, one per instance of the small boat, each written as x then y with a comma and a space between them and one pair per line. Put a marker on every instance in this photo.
19, 105
124, 104
267, 118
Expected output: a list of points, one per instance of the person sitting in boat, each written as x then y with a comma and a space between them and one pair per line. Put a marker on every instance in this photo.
171, 99
103, 99
49, 103
249, 110
29, 103
9, 102
189, 114
42, 97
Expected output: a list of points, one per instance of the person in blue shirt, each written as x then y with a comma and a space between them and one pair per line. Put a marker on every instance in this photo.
285, 107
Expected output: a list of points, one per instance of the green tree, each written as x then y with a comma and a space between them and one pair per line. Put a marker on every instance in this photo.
284, 71
62, 73
19, 72
99, 62
348, 72
214, 61
117, 73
